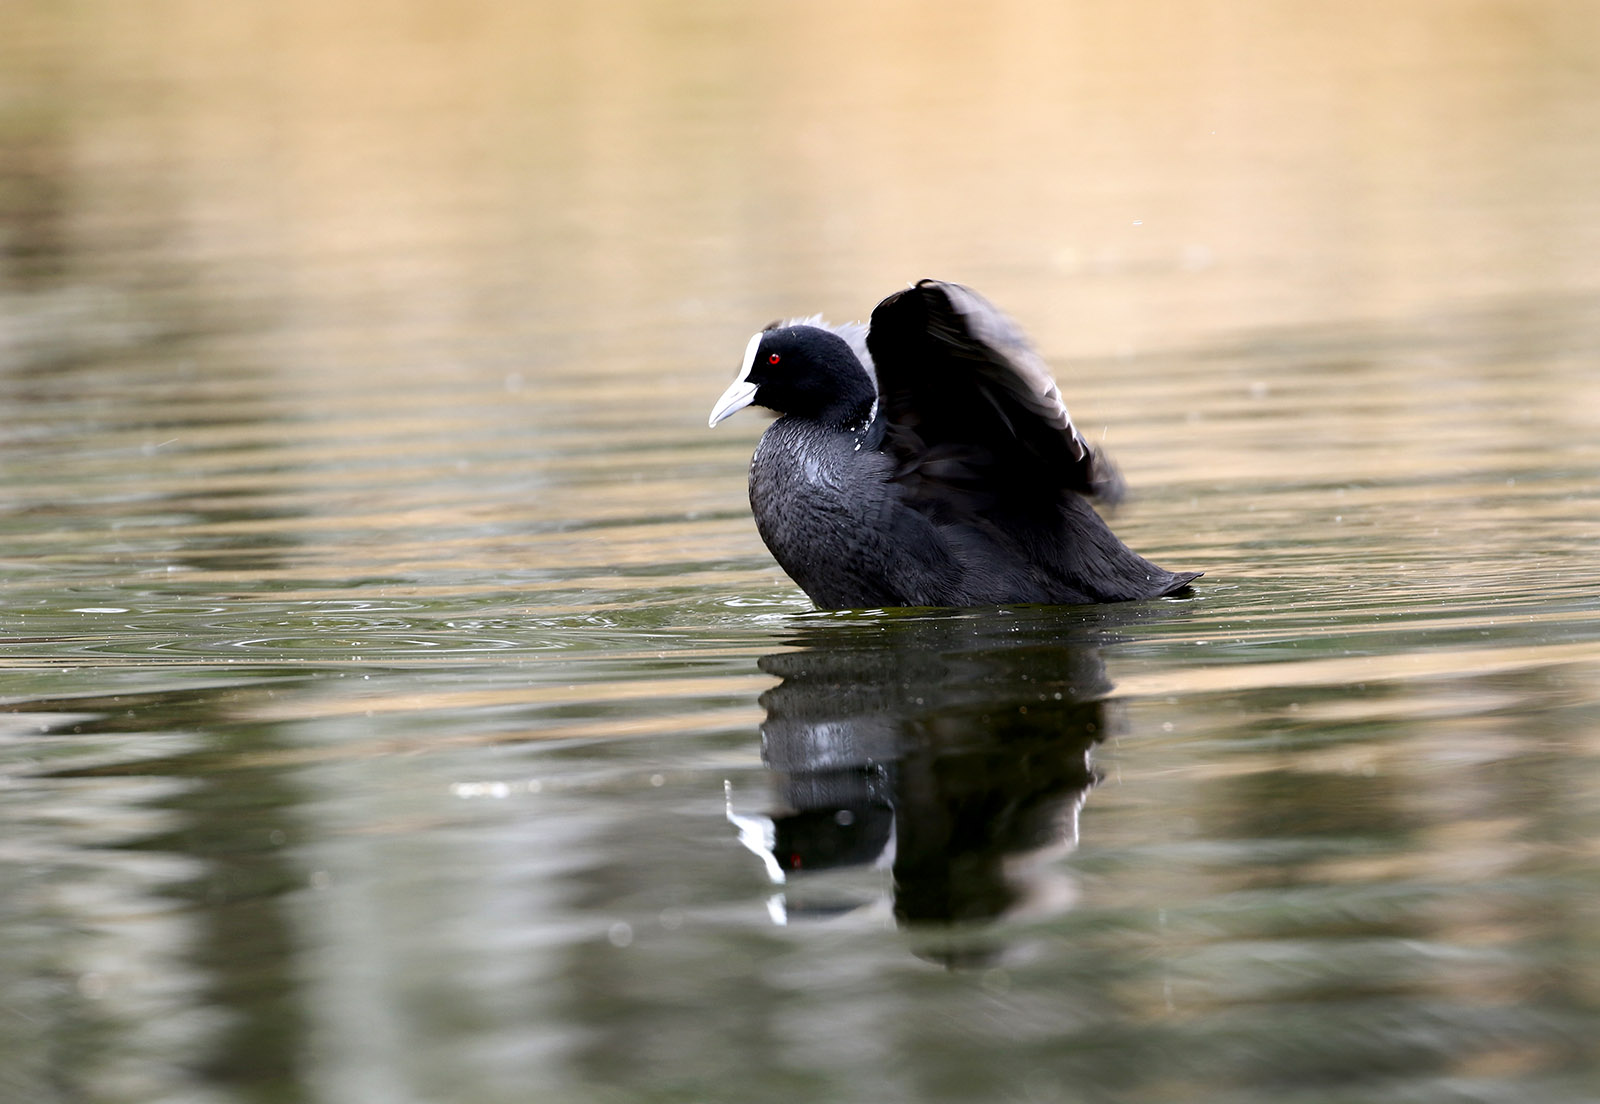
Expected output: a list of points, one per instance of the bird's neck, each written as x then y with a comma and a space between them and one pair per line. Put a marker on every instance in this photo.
853, 406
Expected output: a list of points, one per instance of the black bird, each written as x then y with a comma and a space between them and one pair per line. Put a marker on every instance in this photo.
927, 460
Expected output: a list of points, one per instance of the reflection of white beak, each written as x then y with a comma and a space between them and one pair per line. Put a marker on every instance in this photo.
741, 391
758, 834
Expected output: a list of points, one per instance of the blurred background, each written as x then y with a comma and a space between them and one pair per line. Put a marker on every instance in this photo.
399, 704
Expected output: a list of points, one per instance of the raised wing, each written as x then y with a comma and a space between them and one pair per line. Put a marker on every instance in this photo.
971, 411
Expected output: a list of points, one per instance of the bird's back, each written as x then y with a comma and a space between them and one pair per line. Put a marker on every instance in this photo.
1064, 554
841, 525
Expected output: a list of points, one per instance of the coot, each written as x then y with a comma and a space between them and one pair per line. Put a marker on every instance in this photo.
927, 460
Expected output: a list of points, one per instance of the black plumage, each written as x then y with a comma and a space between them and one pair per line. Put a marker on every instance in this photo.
928, 460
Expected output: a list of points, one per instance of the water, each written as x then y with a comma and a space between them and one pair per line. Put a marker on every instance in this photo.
399, 704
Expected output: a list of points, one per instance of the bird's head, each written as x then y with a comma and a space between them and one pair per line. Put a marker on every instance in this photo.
804, 370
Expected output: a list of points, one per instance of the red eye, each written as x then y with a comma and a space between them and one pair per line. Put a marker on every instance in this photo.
774, 358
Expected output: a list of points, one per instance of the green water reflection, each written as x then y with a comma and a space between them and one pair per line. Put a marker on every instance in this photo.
1230, 893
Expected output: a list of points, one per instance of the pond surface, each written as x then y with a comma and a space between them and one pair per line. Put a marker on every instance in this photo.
398, 704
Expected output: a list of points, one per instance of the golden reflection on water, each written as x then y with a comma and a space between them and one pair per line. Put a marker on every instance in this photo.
416, 301
1123, 175
424, 302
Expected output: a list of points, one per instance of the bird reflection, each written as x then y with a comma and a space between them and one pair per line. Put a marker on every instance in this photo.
950, 750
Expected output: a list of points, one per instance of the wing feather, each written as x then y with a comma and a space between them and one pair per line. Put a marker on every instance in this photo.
956, 375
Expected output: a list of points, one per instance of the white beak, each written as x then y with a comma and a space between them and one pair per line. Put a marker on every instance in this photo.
741, 391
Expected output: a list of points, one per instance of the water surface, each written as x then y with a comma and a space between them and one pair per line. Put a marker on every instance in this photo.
398, 704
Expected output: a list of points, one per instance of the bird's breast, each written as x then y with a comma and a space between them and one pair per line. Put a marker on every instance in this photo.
813, 493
